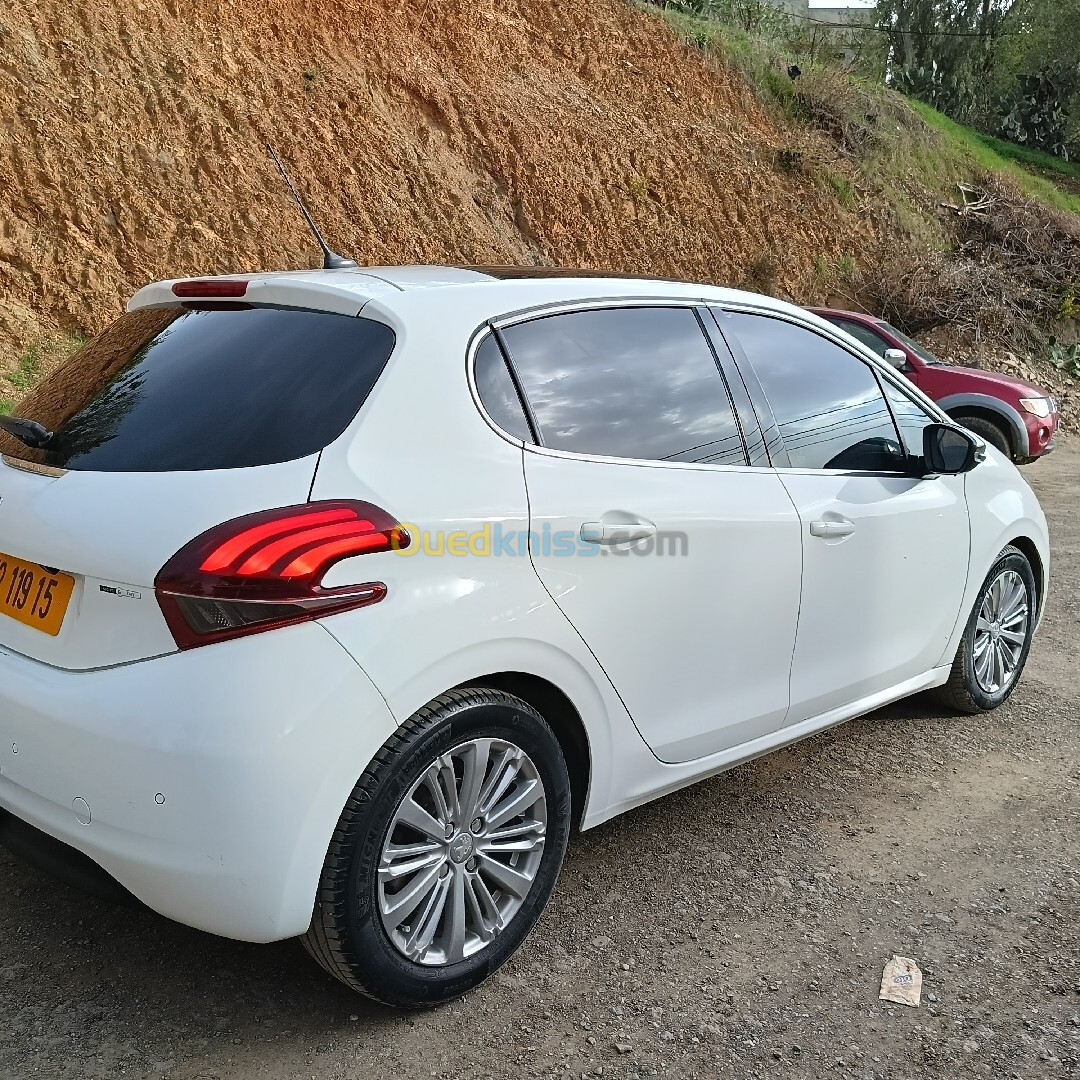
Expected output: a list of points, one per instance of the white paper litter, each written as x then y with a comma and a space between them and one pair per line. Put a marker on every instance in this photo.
901, 981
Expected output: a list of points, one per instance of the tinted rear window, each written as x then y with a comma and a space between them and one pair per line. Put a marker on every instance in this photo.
226, 388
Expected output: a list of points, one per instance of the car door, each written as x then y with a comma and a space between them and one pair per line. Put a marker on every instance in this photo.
885, 550
677, 562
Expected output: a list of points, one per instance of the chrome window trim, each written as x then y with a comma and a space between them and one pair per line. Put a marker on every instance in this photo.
568, 307
547, 451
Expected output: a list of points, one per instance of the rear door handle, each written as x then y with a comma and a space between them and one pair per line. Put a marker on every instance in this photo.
596, 532
831, 530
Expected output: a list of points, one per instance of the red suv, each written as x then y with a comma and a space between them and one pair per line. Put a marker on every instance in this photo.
1017, 417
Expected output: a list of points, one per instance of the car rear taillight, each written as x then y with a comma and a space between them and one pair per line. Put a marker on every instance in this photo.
265, 570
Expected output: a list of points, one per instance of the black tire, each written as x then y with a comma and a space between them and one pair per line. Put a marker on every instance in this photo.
988, 431
962, 692
347, 936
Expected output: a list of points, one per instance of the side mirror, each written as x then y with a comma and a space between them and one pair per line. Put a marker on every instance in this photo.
896, 358
950, 450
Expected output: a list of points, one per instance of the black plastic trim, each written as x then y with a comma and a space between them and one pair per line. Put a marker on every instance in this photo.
61, 861
770, 430
523, 398
757, 455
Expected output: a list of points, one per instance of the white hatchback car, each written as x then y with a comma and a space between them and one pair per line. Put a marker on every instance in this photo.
331, 601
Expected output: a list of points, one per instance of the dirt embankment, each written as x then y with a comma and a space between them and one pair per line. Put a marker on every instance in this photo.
433, 130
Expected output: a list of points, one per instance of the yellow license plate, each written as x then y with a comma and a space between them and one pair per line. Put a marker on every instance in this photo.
33, 595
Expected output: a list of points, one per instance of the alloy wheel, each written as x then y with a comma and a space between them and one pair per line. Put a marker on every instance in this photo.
462, 851
1001, 631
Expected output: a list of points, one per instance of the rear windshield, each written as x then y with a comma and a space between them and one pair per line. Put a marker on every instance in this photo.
227, 387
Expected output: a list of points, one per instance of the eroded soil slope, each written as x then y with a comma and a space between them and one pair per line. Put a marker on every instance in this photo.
433, 130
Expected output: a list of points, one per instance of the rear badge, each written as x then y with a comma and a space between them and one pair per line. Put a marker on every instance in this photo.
115, 590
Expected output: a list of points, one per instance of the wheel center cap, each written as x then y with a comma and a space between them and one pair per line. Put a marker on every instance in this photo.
461, 847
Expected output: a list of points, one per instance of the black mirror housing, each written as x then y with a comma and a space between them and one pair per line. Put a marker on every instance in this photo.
950, 450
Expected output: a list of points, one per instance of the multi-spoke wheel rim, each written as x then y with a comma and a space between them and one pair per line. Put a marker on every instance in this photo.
1001, 632
462, 852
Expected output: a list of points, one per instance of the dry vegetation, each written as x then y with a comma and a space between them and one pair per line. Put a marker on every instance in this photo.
962, 255
519, 131
1008, 271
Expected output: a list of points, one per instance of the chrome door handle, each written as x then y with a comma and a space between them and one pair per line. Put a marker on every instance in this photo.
831, 530
596, 532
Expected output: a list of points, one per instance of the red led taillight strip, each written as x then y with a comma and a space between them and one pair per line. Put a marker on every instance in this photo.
231, 552
265, 570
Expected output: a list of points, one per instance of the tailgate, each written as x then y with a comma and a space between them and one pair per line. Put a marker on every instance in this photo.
104, 536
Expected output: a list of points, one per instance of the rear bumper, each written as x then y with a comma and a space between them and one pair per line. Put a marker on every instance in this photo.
60, 860
212, 779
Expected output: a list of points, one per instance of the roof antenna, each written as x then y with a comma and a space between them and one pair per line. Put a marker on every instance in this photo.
331, 259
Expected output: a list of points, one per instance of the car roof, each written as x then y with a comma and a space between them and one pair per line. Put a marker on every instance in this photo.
856, 316
348, 290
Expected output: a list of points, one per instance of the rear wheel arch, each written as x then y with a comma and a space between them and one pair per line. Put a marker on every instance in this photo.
354, 927
562, 717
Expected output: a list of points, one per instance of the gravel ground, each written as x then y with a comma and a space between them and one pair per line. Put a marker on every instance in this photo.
737, 929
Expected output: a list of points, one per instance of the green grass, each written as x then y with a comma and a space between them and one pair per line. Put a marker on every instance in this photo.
958, 155
1035, 159
27, 370
841, 187
32, 364
984, 153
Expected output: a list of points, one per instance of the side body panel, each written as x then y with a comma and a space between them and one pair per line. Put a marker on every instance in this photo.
695, 626
1003, 508
464, 600
879, 604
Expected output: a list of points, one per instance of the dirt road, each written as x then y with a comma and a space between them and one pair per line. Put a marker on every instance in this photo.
737, 929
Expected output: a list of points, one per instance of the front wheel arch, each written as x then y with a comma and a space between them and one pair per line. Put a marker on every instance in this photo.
1027, 546
988, 419
965, 690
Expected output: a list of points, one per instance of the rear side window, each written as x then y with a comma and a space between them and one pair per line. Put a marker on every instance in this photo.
226, 388
827, 402
628, 383
497, 391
